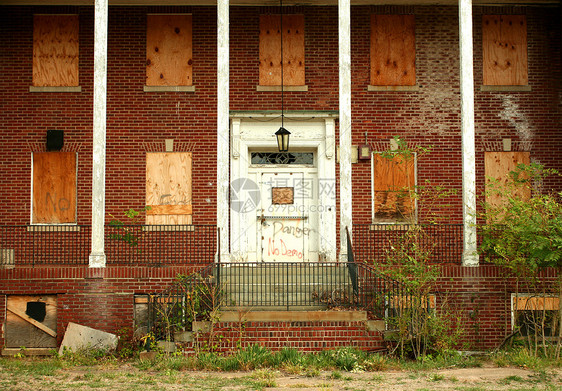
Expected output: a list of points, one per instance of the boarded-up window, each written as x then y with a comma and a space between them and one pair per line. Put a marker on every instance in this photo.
535, 314
293, 50
393, 50
168, 188
504, 46
31, 321
498, 166
54, 188
55, 50
393, 182
169, 50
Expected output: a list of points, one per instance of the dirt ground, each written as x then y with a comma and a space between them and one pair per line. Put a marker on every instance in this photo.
128, 377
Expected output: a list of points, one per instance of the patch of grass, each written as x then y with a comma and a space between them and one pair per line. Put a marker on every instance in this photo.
510, 379
336, 375
435, 377
521, 357
264, 378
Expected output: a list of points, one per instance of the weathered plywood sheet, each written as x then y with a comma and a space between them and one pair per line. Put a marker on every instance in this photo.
498, 165
392, 180
393, 50
168, 187
526, 303
54, 187
21, 332
169, 50
55, 50
504, 46
293, 50
282, 195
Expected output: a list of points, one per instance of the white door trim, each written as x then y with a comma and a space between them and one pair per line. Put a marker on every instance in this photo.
316, 134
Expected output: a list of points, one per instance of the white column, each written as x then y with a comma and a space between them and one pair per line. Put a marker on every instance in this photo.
223, 132
470, 255
344, 9
97, 256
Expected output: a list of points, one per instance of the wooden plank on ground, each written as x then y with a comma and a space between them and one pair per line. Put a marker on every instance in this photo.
55, 50
504, 47
393, 50
169, 50
54, 187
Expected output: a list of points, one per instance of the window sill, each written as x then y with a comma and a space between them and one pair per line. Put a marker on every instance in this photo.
394, 88
168, 228
169, 88
55, 89
285, 88
505, 88
53, 228
391, 226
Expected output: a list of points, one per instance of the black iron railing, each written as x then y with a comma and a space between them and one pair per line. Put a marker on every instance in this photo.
374, 242
142, 245
160, 245
286, 285
44, 245
190, 298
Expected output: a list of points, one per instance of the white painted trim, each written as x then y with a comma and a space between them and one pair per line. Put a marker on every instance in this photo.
169, 88
303, 138
344, 56
470, 254
55, 89
97, 256
223, 128
415, 88
485, 88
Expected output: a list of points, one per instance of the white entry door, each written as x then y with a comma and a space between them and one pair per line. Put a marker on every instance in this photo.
286, 229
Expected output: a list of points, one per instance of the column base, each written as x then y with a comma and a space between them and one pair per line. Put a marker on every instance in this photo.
470, 259
97, 260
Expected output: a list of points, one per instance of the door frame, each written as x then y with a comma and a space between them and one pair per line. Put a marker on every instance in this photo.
309, 132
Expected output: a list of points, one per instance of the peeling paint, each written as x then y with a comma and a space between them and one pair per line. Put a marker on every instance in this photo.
513, 114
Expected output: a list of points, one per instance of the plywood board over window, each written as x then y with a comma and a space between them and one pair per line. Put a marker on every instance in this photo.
169, 60
293, 50
393, 181
55, 50
504, 46
31, 321
393, 50
54, 188
168, 188
497, 166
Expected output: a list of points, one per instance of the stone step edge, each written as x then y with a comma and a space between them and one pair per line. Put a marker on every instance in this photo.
247, 315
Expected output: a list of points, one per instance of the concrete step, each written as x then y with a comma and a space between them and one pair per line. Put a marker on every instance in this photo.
287, 288
291, 272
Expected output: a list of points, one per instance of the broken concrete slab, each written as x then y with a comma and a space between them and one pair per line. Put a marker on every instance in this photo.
79, 337
167, 346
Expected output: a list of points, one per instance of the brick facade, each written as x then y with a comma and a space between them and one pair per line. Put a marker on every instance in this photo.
139, 122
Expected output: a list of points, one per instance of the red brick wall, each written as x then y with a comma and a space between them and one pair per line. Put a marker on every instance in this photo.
304, 336
104, 299
138, 122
